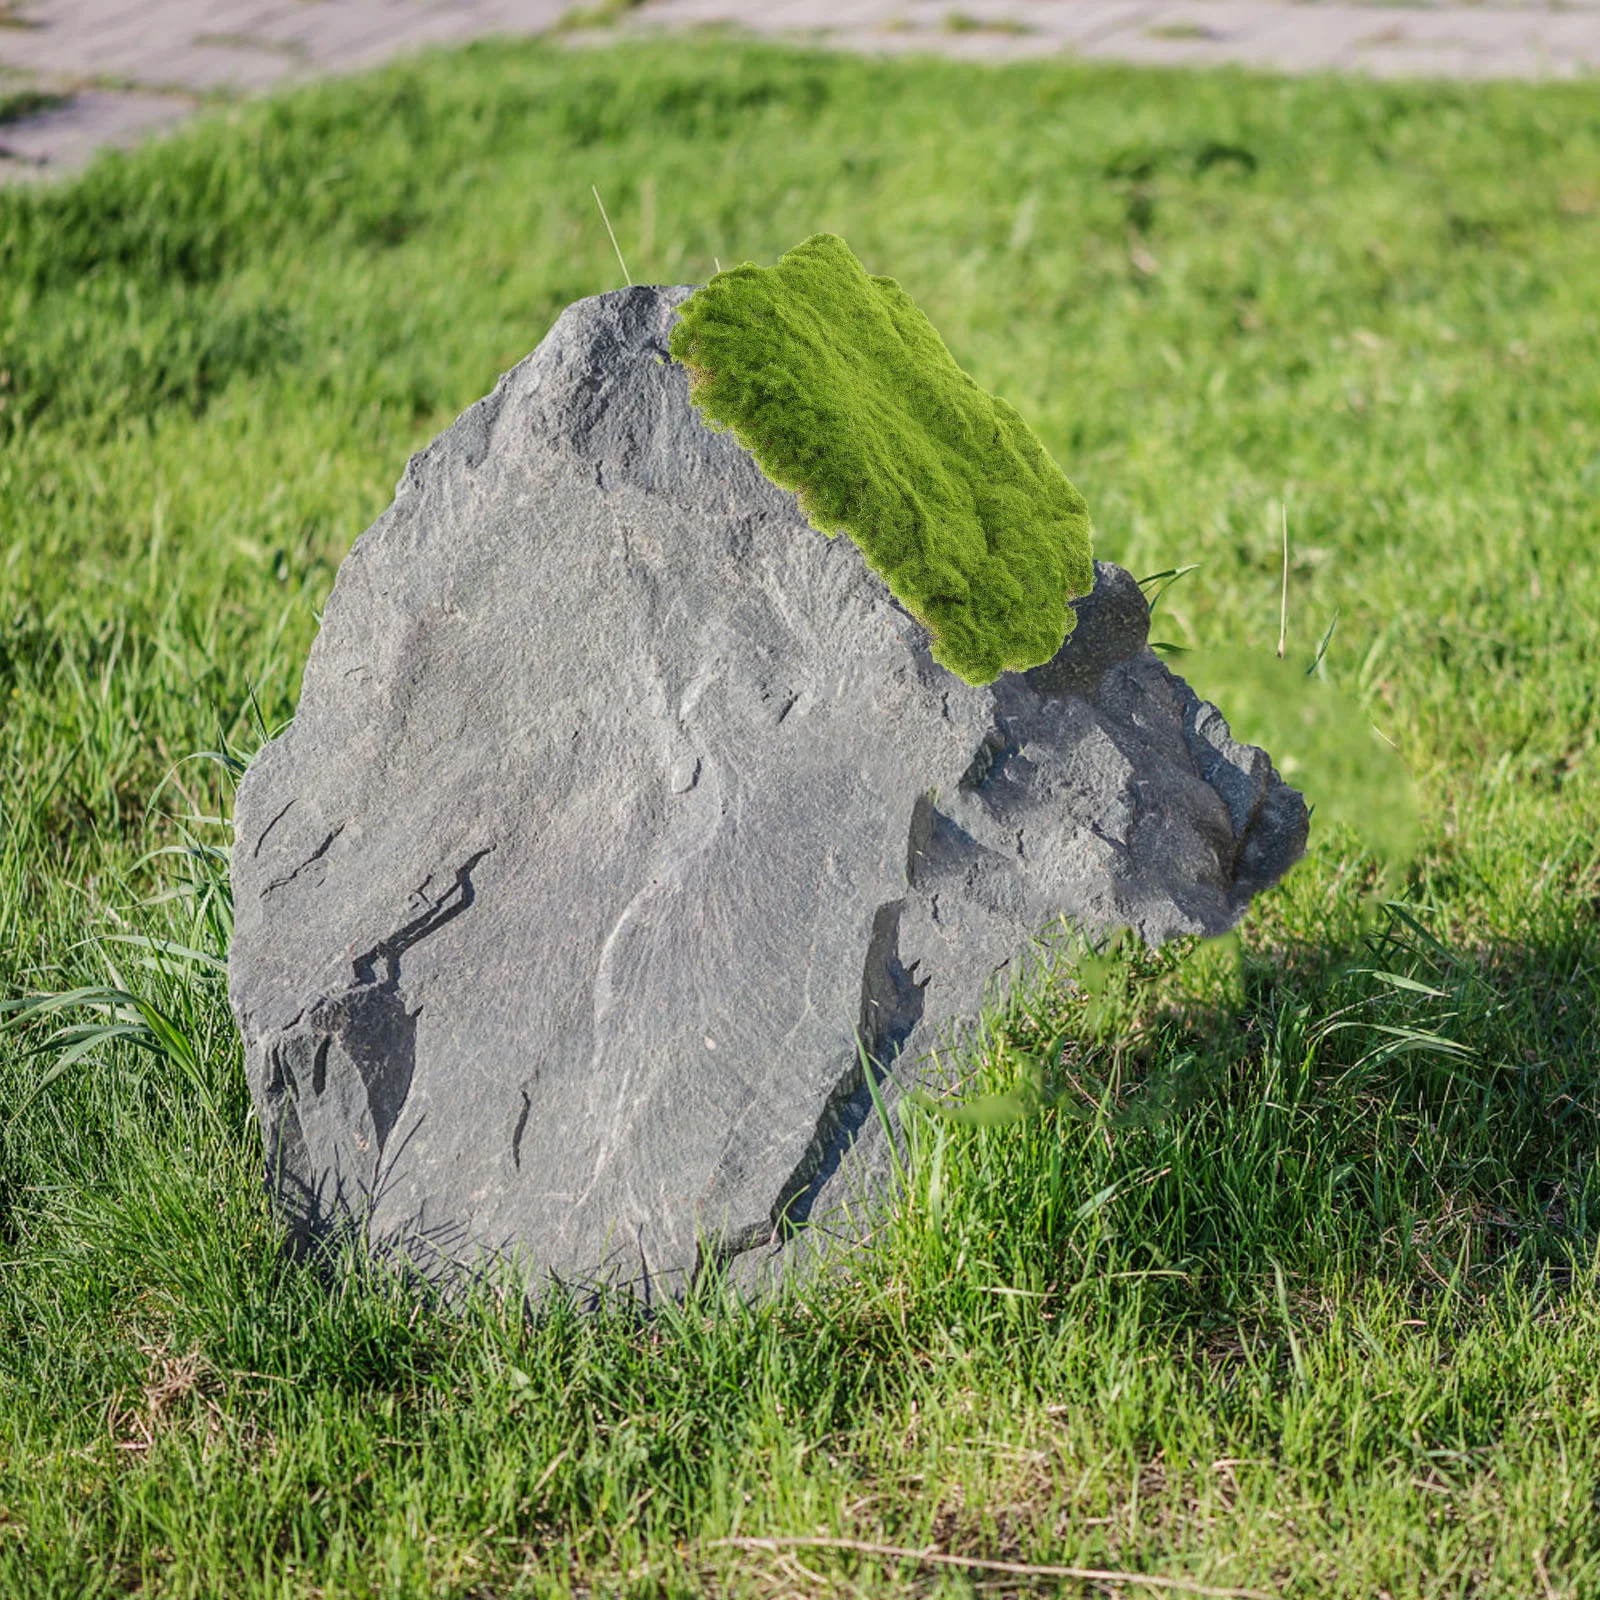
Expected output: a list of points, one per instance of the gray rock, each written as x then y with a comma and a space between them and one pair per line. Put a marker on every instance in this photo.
621, 804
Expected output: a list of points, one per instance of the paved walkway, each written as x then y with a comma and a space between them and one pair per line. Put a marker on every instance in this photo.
125, 69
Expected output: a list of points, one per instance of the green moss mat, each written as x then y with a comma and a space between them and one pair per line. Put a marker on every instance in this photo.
841, 389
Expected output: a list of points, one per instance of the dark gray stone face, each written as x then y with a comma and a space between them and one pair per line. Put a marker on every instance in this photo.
621, 805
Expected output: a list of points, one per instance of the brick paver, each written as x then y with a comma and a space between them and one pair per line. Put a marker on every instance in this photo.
135, 67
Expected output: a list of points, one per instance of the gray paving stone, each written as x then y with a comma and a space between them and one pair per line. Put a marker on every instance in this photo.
1072, 27
1078, 22
64, 139
139, 43
346, 39
528, 16
389, 43
251, 46
781, 16
1260, 36
210, 62
1301, 43
961, 47
324, 32
991, 13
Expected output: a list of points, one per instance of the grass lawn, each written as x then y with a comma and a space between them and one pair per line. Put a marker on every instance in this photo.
1295, 1291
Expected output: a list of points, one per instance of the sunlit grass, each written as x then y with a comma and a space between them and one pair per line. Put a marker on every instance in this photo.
1269, 1264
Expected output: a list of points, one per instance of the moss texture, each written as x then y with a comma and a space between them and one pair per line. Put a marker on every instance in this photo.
841, 390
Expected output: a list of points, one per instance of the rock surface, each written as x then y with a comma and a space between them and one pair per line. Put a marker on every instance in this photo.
621, 803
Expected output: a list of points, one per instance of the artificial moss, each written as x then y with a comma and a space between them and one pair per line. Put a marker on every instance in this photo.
841, 389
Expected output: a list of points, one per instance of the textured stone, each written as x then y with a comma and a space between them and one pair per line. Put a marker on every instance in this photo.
622, 806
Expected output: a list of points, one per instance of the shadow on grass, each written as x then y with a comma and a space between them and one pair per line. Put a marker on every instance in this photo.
1385, 1109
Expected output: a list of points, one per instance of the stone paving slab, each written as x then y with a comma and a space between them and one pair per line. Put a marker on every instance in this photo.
66, 138
1387, 41
136, 67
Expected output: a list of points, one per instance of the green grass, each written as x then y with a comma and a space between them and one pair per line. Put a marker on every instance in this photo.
1278, 1291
